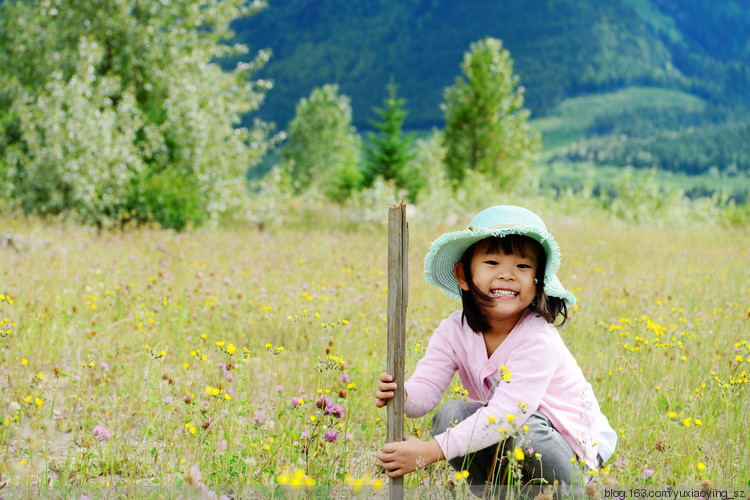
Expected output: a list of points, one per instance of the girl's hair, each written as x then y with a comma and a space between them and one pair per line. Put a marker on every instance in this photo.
547, 307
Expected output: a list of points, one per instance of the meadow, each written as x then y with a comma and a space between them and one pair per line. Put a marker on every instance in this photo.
228, 360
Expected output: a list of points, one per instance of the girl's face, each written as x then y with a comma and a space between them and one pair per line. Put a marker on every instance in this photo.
508, 279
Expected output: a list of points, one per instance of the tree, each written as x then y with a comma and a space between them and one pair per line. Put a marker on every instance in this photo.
118, 110
323, 147
486, 126
390, 153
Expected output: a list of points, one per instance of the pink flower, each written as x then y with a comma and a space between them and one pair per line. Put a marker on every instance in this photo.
338, 411
305, 435
647, 473
101, 434
168, 400
345, 378
279, 389
193, 477
104, 366
331, 435
295, 402
222, 446
349, 436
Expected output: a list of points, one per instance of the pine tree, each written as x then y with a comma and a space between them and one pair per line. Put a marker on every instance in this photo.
390, 153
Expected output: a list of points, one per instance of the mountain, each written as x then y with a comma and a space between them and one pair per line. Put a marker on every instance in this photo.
646, 83
561, 49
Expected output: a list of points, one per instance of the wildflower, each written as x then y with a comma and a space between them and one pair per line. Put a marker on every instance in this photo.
510, 417
296, 402
168, 400
331, 435
101, 434
193, 477
345, 378
518, 454
701, 466
260, 418
280, 389
325, 404
647, 473
338, 411
104, 366
305, 435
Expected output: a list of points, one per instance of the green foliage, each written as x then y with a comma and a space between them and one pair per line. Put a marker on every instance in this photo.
101, 98
323, 148
486, 127
390, 153
169, 198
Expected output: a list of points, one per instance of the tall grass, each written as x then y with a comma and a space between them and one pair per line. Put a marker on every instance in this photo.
230, 358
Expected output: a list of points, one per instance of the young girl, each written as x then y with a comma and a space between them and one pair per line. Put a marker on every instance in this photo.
527, 391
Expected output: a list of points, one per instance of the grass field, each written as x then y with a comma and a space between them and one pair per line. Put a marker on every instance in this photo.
149, 359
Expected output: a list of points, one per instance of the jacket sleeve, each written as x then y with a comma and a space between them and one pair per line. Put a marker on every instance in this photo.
532, 366
431, 377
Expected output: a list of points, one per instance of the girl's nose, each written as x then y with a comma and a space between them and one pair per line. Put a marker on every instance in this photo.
505, 274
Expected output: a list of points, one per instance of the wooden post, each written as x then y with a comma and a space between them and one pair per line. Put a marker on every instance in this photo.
398, 298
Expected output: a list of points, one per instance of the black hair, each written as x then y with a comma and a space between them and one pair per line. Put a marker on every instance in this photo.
473, 299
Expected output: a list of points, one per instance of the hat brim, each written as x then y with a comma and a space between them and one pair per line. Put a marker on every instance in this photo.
447, 250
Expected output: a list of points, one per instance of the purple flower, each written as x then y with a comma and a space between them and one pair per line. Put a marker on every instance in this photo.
229, 377
295, 402
647, 473
260, 418
101, 434
331, 435
168, 400
345, 378
104, 365
305, 435
349, 436
280, 388
338, 411
325, 404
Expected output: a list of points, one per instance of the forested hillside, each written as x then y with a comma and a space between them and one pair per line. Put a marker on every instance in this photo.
688, 59
561, 48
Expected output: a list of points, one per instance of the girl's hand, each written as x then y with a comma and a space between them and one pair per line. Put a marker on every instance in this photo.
409, 455
386, 386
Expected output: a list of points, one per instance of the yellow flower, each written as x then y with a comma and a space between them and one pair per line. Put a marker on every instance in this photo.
377, 485
510, 417
518, 453
24, 361
701, 466
491, 419
671, 414
231, 349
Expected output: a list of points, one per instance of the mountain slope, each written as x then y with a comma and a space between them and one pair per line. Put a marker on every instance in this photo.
561, 49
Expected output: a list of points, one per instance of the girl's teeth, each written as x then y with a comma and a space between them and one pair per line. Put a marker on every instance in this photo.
503, 293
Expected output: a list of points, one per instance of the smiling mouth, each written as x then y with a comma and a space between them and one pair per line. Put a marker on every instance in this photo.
503, 293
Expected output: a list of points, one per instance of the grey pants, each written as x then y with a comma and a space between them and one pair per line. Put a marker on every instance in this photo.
490, 476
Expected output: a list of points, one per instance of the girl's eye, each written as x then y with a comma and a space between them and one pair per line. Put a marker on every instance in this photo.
524, 266
492, 262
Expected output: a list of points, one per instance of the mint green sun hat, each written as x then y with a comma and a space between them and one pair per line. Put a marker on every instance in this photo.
500, 221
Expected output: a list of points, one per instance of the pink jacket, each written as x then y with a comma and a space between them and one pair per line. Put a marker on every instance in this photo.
543, 375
